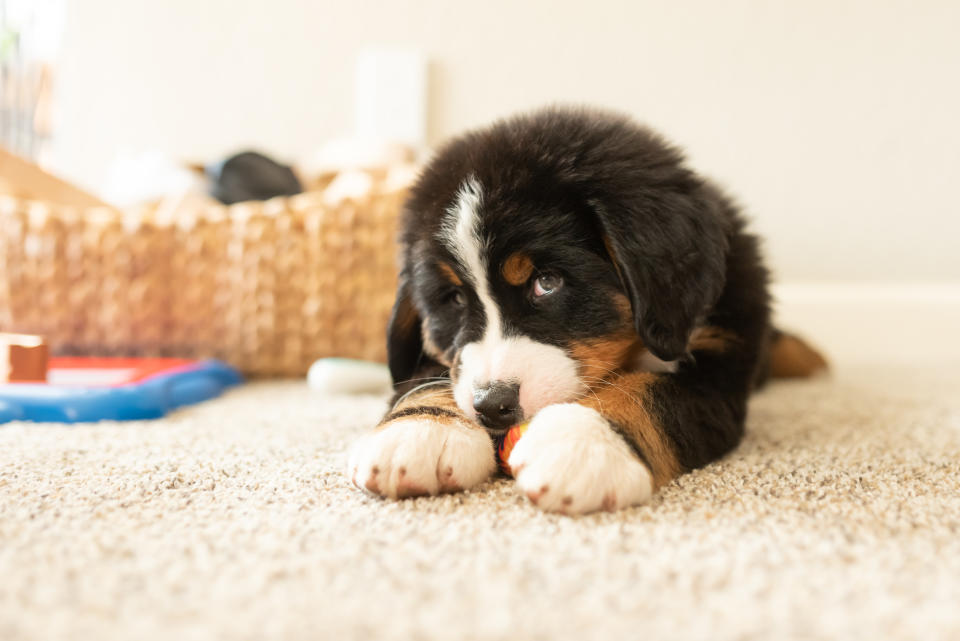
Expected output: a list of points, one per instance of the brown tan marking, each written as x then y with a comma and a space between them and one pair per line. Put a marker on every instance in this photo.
406, 316
429, 346
613, 257
790, 357
517, 268
434, 402
622, 402
711, 339
447, 272
455, 367
601, 356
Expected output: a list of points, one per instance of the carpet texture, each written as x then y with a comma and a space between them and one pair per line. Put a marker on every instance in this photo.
838, 517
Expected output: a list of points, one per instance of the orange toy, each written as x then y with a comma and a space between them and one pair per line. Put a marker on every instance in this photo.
506, 445
23, 358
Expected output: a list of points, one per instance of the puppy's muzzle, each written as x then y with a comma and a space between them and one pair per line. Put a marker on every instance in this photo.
498, 405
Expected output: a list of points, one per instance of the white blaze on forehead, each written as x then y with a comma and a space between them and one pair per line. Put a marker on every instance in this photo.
461, 234
545, 373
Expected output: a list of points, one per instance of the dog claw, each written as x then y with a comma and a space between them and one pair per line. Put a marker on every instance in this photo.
447, 482
534, 496
609, 502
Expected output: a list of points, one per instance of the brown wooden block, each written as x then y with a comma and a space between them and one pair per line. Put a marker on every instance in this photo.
23, 358
23, 179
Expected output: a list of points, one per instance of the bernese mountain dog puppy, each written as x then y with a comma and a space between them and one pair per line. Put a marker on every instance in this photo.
566, 268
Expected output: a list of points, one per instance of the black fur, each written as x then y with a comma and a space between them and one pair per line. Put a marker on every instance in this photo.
612, 208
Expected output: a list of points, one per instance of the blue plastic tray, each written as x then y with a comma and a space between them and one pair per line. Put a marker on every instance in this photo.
151, 397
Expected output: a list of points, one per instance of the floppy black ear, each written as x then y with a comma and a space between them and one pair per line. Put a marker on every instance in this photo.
670, 251
404, 339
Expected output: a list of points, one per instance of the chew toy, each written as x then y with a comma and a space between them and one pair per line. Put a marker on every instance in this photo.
348, 376
507, 444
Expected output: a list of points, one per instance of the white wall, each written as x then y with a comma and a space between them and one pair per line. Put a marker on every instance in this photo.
834, 122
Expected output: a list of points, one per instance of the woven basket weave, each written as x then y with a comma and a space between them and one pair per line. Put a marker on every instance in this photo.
267, 287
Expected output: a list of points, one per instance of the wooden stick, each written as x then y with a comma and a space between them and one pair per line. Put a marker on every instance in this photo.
23, 179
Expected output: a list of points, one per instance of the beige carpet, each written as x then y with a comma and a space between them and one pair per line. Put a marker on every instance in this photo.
839, 517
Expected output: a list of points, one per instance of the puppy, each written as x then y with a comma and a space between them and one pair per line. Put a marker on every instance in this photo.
567, 268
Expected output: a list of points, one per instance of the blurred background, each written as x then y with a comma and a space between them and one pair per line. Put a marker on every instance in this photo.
833, 123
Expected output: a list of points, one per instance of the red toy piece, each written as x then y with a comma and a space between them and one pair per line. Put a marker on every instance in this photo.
507, 444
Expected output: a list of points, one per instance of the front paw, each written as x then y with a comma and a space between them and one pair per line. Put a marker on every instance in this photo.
419, 456
571, 461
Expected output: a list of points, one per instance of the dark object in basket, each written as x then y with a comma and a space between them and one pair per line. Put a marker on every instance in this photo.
251, 176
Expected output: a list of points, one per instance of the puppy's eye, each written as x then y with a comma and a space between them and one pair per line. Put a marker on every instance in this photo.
455, 299
547, 284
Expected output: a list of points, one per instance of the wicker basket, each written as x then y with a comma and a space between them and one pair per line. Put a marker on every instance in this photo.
268, 287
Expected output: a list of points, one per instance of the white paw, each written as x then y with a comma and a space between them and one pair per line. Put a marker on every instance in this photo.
416, 457
571, 461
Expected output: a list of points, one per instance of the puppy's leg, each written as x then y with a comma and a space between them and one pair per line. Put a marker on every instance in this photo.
424, 445
571, 460
578, 457
631, 435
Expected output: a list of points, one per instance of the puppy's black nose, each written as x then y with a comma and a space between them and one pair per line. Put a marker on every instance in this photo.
498, 405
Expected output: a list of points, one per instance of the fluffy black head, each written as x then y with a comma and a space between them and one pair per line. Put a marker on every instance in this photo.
588, 197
